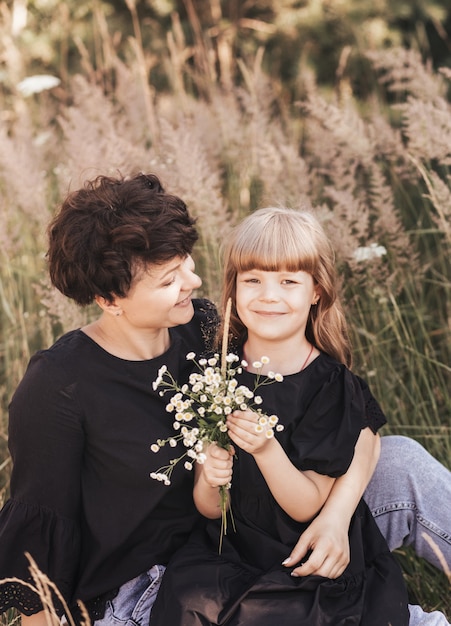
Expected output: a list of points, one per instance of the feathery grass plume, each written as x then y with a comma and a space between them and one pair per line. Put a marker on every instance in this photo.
427, 128
194, 174
92, 142
402, 71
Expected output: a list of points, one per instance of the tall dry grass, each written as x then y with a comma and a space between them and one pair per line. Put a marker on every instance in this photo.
378, 173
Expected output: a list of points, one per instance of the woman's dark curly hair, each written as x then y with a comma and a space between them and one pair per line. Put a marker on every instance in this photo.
111, 228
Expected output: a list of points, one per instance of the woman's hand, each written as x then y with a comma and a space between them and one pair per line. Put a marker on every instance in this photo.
326, 546
242, 431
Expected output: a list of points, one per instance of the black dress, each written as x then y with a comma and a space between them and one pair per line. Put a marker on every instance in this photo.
82, 501
321, 409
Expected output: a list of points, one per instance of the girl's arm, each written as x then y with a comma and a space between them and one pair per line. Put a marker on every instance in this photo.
215, 472
284, 480
327, 535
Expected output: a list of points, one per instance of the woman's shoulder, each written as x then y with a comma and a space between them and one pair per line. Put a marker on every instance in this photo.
59, 360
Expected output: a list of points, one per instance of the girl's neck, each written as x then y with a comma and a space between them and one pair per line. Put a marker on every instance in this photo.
284, 358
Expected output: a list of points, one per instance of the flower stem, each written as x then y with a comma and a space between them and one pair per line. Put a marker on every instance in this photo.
225, 337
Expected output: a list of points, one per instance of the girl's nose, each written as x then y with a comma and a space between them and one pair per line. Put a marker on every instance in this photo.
269, 293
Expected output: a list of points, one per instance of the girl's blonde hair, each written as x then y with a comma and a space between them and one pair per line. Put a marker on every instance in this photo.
274, 239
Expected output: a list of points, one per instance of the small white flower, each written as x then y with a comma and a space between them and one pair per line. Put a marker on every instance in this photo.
153, 475
203, 362
212, 361
243, 406
201, 458
271, 375
269, 433
154, 447
188, 465
279, 427
172, 443
258, 400
244, 363
258, 428
176, 425
265, 360
190, 356
273, 419
257, 364
37, 83
262, 420
278, 377
368, 253
223, 428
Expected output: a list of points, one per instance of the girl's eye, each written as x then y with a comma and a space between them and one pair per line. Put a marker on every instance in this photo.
251, 280
288, 281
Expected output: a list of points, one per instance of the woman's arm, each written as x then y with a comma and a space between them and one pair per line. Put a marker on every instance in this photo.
327, 535
39, 619
283, 478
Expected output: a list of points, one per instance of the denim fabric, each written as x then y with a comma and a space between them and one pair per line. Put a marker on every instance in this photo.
409, 495
419, 618
134, 601
410, 498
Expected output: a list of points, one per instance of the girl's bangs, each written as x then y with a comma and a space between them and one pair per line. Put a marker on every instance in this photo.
277, 246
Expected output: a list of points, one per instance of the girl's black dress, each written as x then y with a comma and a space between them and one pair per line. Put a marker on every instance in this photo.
322, 410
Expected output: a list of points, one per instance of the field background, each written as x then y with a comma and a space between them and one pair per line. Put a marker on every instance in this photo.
343, 105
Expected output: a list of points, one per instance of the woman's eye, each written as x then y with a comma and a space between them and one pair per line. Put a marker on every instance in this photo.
169, 282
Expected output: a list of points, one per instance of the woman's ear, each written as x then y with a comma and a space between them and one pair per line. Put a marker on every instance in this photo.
109, 306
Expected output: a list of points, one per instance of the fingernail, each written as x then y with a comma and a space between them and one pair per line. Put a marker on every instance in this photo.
287, 560
294, 575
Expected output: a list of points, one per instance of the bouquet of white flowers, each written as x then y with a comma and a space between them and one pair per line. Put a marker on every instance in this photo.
201, 406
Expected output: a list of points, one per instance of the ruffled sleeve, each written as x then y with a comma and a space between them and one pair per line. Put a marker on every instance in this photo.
374, 417
42, 517
325, 438
53, 543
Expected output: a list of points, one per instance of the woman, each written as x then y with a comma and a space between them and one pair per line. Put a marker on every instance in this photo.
82, 419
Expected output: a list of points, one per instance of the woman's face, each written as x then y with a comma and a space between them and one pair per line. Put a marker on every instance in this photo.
160, 295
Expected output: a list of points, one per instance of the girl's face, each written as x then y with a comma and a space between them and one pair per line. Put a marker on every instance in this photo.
160, 296
274, 306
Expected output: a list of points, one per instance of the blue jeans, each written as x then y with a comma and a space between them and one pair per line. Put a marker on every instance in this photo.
134, 601
409, 496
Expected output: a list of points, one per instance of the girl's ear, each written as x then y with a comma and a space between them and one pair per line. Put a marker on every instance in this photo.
317, 295
109, 306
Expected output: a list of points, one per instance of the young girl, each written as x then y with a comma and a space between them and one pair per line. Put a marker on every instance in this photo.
279, 272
